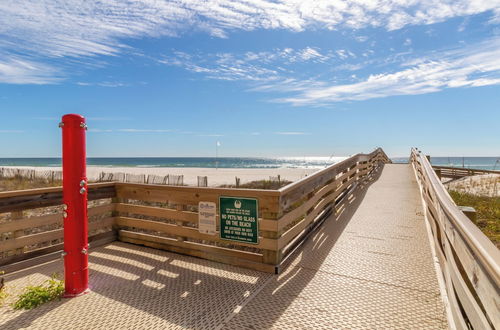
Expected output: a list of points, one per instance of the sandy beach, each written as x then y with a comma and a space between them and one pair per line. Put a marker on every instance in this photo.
216, 177
487, 185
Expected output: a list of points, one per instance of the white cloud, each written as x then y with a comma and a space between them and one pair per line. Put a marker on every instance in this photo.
76, 28
17, 70
264, 66
211, 135
80, 29
136, 130
291, 133
473, 66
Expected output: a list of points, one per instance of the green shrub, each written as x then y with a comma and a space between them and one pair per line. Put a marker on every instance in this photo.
34, 296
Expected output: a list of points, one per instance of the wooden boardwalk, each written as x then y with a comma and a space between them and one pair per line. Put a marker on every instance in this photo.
371, 267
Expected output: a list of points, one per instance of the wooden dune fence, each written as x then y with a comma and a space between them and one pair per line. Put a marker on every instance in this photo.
32, 175
170, 179
166, 217
470, 262
457, 172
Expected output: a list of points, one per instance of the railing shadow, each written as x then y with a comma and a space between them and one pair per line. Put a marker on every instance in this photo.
294, 277
181, 290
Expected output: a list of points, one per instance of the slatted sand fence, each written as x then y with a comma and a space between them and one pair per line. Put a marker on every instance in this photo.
469, 261
166, 217
31, 221
458, 172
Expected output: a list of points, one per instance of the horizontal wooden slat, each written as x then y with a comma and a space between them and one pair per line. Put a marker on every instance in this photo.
49, 219
158, 212
256, 257
23, 241
268, 199
34, 198
45, 254
477, 256
291, 216
20, 242
192, 250
179, 215
264, 243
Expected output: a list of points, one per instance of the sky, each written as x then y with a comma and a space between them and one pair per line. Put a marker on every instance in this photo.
263, 78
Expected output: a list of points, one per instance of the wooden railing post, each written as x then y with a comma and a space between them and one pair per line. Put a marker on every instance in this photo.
18, 215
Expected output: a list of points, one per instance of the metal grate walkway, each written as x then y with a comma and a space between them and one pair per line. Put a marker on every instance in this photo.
370, 268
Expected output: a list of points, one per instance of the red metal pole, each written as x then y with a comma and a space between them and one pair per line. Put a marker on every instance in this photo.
76, 273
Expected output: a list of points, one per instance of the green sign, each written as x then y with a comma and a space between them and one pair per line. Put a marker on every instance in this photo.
239, 219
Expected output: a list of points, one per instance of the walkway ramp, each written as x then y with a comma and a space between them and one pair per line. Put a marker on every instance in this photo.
371, 267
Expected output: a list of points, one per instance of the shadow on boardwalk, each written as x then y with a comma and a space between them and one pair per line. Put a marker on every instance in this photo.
136, 287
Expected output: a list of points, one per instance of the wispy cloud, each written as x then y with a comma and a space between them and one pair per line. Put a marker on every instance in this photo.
263, 66
136, 130
103, 84
18, 70
211, 135
130, 130
472, 66
291, 133
55, 29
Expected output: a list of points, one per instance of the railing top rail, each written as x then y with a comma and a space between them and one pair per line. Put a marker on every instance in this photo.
483, 248
38, 191
465, 169
222, 191
357, 157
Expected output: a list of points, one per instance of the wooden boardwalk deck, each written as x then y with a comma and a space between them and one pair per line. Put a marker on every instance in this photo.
370, 268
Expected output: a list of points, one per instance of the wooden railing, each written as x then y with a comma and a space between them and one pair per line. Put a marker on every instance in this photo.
459, 172
469, 261
31, 221
286, 215
166, 217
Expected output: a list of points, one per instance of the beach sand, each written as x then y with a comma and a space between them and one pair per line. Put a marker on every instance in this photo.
487, 185
216, 177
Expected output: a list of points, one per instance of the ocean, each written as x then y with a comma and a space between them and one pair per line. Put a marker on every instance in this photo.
485, 163
199, 162
480, 163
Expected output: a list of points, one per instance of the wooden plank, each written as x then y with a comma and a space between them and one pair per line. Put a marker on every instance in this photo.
478, 257
103, 223
255, 257
293, 215
158, 212
299, 189
472, 310
484, 288
268, 199
34, 198
264, 243
471, 171
48, 219
39, 256
46, 236
185, 216
302, 225
21, 242
235, 261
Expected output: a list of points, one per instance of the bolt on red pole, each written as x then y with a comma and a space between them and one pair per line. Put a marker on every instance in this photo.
76, 273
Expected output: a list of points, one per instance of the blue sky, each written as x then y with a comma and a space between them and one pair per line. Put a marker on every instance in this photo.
265, 78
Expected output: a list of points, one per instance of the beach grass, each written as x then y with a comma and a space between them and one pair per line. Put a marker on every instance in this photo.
9, 184
488, 212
